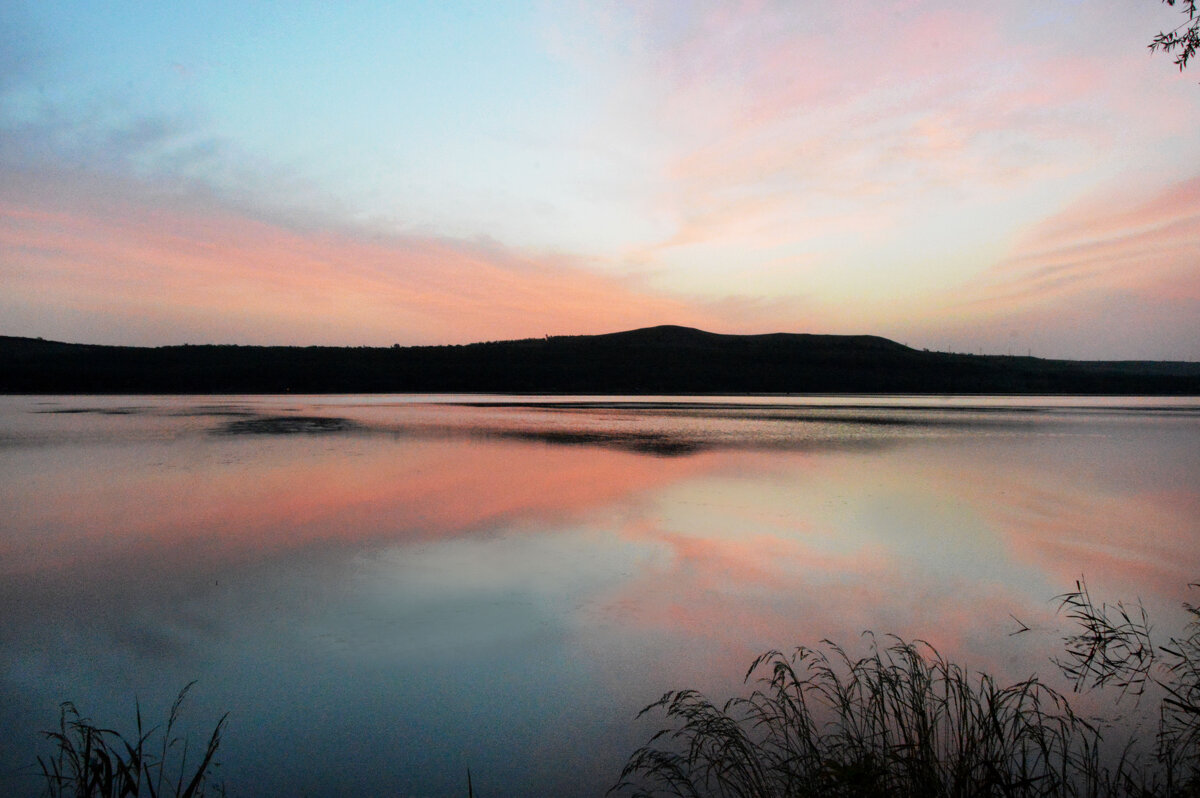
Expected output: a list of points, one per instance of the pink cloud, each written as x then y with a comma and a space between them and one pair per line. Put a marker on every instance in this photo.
826, 127
114, 259
1111, 243
1116, 275
1109, 261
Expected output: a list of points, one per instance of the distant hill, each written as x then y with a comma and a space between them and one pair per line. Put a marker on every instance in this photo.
667, 360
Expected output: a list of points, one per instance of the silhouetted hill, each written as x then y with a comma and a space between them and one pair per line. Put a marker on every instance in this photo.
665, 359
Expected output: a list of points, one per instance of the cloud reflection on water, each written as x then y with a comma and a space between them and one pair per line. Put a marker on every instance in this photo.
550, 548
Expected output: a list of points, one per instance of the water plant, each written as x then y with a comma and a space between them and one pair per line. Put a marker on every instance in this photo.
902, 720
96, 762
1114, 645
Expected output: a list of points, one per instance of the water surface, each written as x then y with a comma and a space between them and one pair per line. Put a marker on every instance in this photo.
385, 591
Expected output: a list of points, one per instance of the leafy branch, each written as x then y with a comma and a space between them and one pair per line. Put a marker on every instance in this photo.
1184, 38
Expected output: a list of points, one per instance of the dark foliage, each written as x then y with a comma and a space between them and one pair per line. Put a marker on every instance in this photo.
666, 360
1184, 39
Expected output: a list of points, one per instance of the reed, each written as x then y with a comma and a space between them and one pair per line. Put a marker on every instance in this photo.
1114, 645
98, 762
904, 721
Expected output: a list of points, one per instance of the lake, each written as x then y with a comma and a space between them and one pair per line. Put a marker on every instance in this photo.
384, 591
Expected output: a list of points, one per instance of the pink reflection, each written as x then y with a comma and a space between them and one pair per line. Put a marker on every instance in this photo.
957, 545
298, 494
717, 555
1144, 541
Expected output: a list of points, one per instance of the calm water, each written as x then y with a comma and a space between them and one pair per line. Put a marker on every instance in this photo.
385, 591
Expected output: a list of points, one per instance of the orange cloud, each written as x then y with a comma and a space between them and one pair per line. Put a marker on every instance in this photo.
110, 262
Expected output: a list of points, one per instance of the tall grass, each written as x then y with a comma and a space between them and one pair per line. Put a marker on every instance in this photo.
94, 761
904, 721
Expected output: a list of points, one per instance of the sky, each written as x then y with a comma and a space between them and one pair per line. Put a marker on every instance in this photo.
1020, 176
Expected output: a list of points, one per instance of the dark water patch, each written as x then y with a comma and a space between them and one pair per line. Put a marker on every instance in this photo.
681, 445
202, 412
133, 410
664, 447
973, 417
653, 443
622, 404
100, 411
849, 410
661, 445
287, 425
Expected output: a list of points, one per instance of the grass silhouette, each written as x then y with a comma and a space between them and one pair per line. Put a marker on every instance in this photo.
93, 761
904, 721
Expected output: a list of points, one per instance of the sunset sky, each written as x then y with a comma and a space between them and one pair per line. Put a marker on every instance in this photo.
1011, 176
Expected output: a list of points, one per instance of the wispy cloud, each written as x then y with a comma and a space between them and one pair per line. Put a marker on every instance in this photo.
790, 115
107, 259
863, 159
1150, 247
1112, 276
